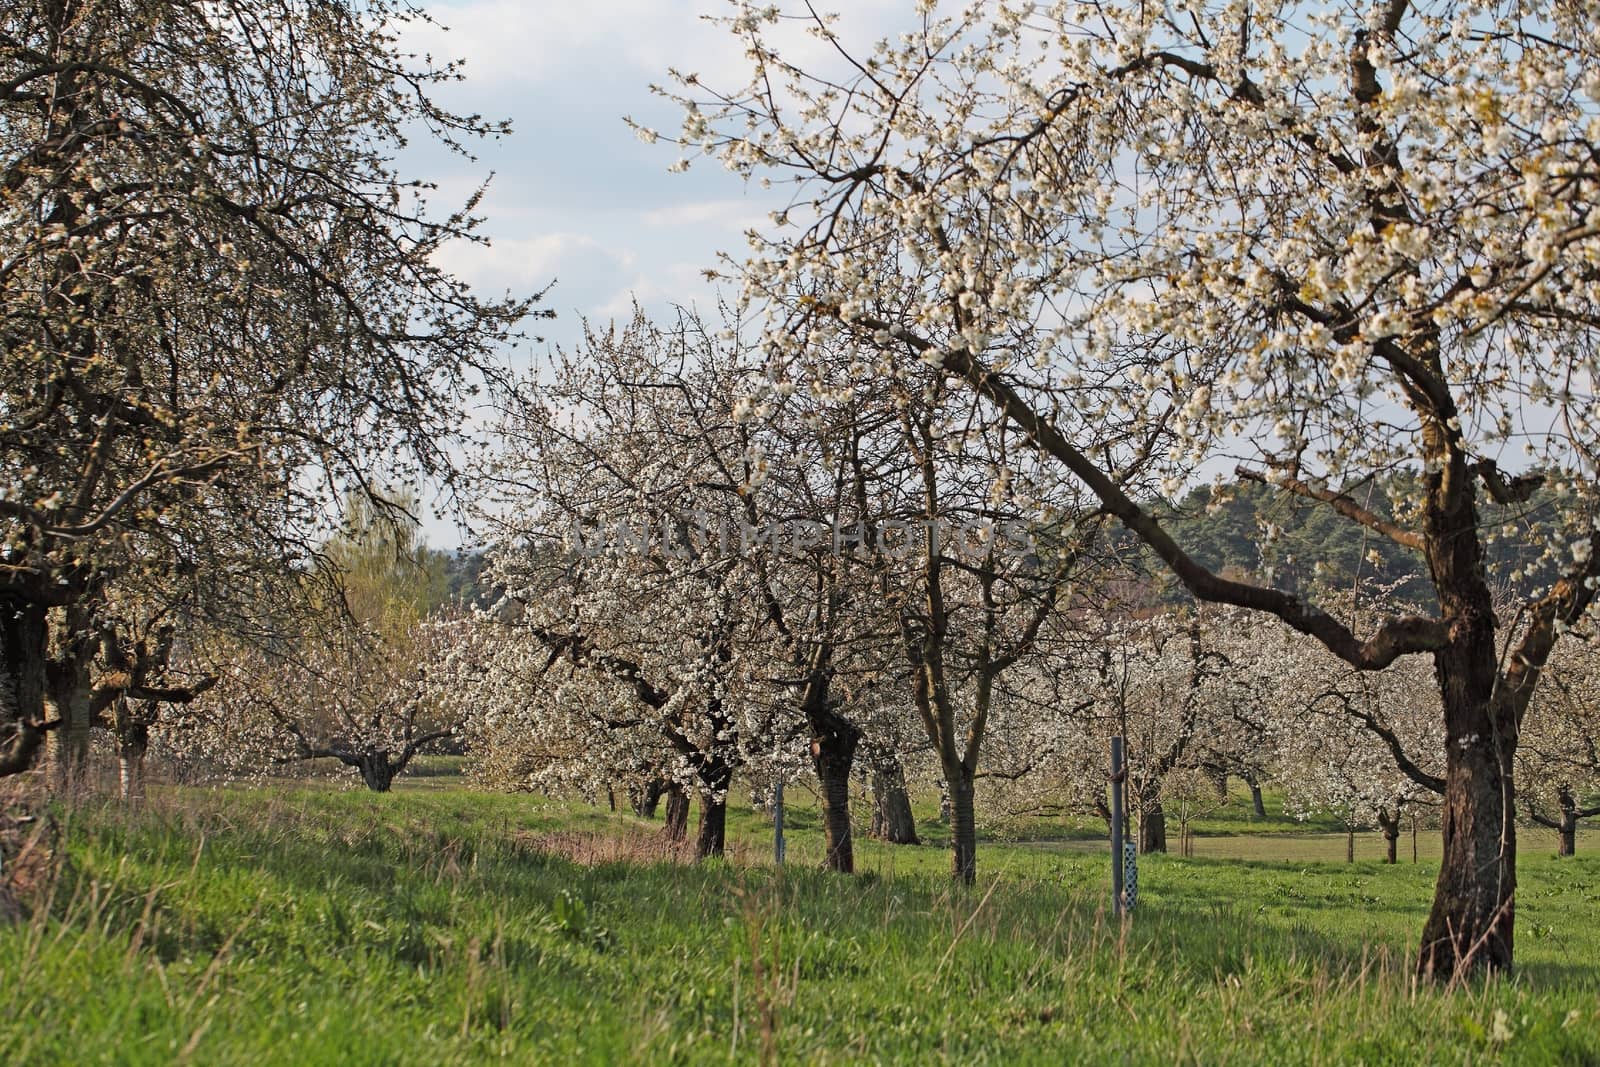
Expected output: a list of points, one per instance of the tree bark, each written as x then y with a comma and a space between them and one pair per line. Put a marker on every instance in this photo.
1390, 825
892, 820
647, 796
1471, 923
963, 827
67, 697
676, 827
711, 838
131, 749
832, 755
68, 752
24, 635
1152, 825
1567, 832
376, 771
1255, 796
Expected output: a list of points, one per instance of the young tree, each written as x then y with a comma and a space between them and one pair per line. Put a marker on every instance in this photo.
343, 669
1355, 242
217, 298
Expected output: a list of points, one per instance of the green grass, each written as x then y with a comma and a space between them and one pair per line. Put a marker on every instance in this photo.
307, 925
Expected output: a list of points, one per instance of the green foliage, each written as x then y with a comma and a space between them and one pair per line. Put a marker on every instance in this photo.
1310, 544
319, 926
389, 577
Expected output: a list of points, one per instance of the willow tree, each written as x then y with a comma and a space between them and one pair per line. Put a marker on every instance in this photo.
1342, 242
217, 296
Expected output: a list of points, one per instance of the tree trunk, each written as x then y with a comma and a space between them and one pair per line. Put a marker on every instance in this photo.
963, 827
1471, 923
1349, 843
67, 698
832, 757
1567, 831
676, 827
712, 836
1152, 825
131, 748
1390, 825
24, 634
1255, 796
646, 797
376, 771
892, 820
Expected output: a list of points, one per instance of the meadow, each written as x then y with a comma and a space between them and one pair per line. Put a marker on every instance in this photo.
306, 924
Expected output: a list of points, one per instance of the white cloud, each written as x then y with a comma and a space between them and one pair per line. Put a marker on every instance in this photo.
526, 265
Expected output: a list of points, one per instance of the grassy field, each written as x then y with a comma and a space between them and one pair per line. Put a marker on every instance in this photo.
311, 925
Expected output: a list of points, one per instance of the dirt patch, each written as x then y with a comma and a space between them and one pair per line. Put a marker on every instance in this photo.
593, 848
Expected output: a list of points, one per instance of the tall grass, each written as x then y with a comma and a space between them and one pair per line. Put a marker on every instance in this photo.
439, 926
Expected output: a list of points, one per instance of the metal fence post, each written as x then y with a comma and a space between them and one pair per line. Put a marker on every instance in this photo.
777, 822
1118, 830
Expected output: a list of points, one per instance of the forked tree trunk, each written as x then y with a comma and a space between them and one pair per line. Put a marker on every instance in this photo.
676, 826
1390, 825
646, 797
892, 820
376, 771
712, 836
832, 755
963, 826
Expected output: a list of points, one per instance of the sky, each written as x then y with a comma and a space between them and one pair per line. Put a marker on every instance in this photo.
576, 198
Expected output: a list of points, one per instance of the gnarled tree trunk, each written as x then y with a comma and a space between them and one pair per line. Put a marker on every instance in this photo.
131, 750
376, 771
1566, 826
67, 697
